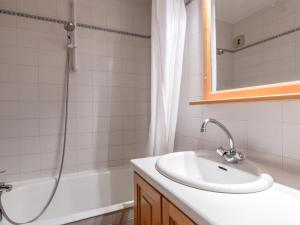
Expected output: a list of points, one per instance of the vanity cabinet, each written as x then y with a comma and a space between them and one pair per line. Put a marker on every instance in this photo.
147, 210
172, 215
152, 208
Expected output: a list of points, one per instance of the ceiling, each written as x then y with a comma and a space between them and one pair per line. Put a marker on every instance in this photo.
232, 11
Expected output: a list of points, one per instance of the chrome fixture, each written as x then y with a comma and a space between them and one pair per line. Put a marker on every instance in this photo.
220, 51
70, 27
72, 44
5, 187
231, 155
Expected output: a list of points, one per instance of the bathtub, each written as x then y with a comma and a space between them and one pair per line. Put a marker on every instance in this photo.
80, 196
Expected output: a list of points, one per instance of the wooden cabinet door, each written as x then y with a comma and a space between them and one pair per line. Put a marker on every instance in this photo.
173, 216
147, 208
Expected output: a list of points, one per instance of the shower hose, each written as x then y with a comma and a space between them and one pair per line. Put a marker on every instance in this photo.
57, 180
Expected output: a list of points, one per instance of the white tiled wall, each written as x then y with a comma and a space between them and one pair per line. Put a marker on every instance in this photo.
109, 95
271, 62
268, 131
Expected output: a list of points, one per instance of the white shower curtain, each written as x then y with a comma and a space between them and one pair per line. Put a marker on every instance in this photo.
167, 40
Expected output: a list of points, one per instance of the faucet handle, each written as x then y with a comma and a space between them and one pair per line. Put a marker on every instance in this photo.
221, 151
240, 155
5, 187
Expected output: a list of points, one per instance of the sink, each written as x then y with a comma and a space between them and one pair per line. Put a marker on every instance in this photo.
207, 171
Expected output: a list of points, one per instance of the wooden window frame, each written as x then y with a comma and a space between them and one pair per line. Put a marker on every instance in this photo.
288, 90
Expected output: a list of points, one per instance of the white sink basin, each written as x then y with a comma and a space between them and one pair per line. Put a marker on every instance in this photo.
209, 172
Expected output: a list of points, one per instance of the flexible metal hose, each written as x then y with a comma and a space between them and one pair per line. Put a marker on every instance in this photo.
57, 181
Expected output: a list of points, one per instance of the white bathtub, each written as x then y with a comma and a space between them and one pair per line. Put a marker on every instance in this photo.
79, 196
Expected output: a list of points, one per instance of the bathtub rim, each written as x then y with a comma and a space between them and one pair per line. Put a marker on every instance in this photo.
69, 218
19, 185
86, 214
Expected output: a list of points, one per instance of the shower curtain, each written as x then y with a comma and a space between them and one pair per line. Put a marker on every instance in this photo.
167, 49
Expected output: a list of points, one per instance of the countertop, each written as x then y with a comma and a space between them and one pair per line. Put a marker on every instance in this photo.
279, 205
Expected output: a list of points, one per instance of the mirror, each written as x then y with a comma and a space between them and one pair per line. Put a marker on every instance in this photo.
251, 50
257, 43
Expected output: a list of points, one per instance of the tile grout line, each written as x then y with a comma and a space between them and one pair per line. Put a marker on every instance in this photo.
82, 25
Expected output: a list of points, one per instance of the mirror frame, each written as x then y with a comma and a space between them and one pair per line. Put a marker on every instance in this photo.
288, 90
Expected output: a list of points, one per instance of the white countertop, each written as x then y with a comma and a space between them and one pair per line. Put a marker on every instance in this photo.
279, 205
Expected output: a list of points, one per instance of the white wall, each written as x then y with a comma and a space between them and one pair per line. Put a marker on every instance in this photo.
268, 131
109, 99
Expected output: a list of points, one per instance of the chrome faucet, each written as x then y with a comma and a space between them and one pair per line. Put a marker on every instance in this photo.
231, 155
3, 186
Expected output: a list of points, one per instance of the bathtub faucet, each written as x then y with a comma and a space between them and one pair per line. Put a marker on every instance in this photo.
5, 187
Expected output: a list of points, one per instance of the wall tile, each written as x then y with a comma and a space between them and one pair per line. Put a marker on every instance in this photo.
9, 147
260, 112
291, 141
291, 112
107, 93
51, 109
27, 56
30, 163
11, 164
27, 38
50, 126
27, 6
28, 92
28, 109
8, 73
8, 21
27, 74
29, 127
8, 36
265, 137
26, 24
9, 110
8, 4
8, 54
30, 145
9, 128
49, 160
291, 165
47, 8
63, 10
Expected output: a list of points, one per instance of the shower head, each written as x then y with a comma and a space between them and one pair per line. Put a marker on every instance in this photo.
71, 43
69, 26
